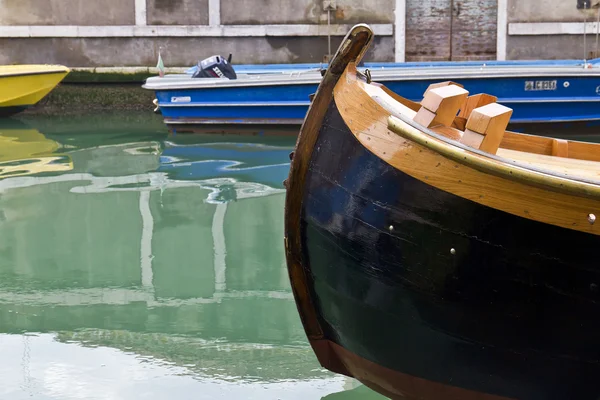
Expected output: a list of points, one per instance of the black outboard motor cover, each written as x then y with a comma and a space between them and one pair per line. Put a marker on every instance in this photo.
215, 67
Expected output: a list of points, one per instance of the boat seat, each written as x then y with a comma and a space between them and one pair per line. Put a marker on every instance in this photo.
440, 104
486, 126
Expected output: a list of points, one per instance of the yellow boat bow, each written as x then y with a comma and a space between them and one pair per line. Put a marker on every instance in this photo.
22, 86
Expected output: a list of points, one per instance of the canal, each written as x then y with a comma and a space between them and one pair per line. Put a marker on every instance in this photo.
138, 264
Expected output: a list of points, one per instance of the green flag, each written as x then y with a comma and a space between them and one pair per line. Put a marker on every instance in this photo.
160, 65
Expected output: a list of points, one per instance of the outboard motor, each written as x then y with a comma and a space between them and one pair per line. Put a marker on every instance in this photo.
215, 67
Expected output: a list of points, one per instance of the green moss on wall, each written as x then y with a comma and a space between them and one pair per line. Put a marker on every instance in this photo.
88, 76
79, 98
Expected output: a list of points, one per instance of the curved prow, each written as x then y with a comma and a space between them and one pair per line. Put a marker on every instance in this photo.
351, 50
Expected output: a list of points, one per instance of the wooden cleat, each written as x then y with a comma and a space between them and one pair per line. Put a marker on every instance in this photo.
440, 105
475, 101
486, 126
441, 84
459, 123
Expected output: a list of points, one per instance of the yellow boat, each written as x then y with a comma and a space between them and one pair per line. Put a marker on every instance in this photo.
22, 86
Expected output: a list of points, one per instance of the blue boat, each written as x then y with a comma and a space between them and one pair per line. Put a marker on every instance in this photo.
539, 92
286, 68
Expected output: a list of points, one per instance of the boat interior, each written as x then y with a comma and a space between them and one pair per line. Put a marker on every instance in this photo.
479, 122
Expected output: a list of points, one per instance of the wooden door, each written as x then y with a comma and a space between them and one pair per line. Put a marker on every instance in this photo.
442, 30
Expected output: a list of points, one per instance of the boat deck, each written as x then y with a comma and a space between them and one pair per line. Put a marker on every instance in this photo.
581, 163
568, 167
31, 69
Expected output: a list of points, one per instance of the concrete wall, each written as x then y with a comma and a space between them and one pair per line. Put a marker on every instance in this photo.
67, 12
543, 11
177, 12
93, 33
88, 33
549, 47
305, 12
98, 52
548, 29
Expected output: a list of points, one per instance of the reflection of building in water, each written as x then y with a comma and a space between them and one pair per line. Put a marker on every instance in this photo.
218, 359
163, 267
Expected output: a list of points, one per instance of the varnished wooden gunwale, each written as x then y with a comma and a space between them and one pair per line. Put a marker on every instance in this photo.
464, 171
495, 164
353, 47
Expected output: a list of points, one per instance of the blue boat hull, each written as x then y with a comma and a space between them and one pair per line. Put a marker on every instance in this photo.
563, 100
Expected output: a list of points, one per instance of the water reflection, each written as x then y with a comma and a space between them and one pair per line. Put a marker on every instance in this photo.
25, 151
151, 267
354, 391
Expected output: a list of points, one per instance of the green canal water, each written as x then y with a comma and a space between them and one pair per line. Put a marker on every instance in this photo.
135, 264
140, 265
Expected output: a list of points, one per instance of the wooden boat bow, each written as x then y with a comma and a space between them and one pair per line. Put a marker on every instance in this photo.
435, 255
352, 49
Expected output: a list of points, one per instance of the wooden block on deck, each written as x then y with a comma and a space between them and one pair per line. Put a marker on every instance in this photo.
425, 117
489, 121
472, 139
475, 101
560, 148
443, 102
441, 84
459, 123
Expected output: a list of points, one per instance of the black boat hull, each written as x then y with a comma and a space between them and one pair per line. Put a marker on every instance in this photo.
423, 283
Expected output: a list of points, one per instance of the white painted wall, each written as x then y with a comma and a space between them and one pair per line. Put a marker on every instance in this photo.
140, 12
214, 12
551, 28
71, 31
502, 30
400, 31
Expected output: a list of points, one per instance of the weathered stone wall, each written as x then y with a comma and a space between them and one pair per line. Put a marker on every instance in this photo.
89, 33
259, 12
177, 12
130, 32
549, 29
544, 11
98, 52
67, 12
551, 47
